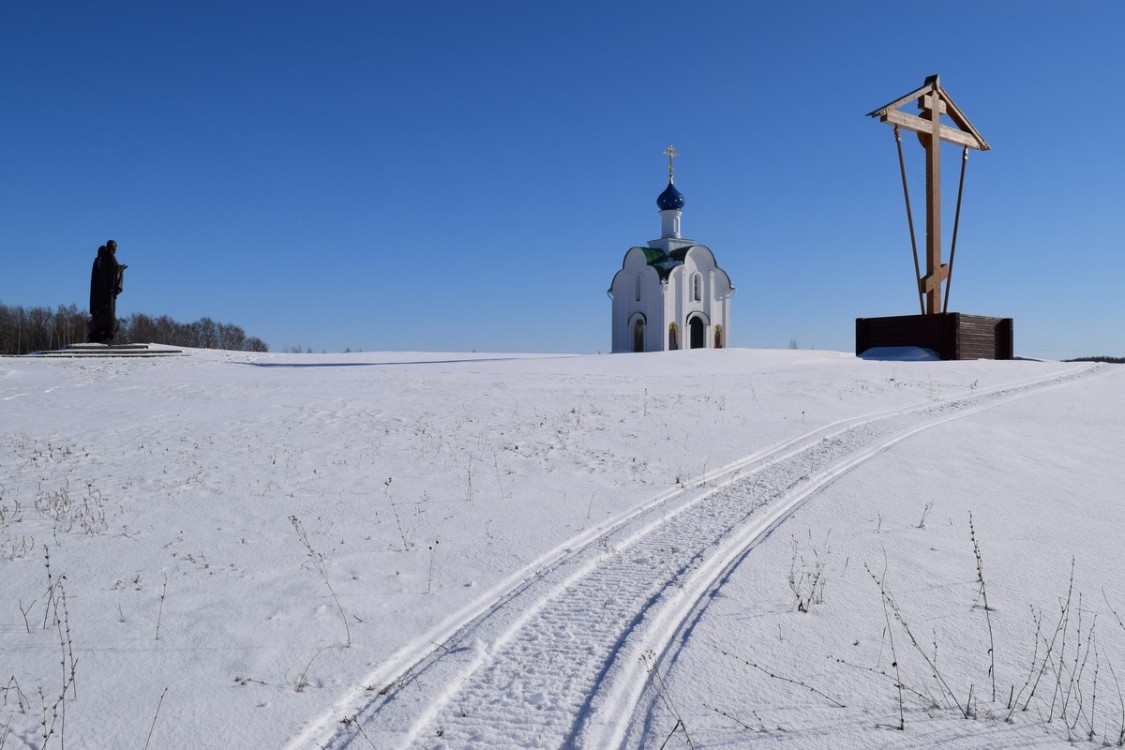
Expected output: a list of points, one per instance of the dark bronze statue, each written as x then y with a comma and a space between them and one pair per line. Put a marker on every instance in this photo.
106, 282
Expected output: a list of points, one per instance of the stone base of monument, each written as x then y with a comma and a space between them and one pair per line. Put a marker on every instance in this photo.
110, 350
951, 335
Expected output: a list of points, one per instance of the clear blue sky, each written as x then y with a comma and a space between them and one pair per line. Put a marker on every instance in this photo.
469, 175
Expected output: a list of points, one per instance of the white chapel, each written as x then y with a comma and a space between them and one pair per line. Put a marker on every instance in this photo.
670, 294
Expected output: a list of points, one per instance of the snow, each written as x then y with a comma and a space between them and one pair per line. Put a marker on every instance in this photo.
489, 550
901, 354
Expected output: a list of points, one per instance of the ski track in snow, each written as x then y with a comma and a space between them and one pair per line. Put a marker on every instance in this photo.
554, 659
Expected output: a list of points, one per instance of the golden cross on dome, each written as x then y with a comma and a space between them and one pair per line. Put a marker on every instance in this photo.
670, 152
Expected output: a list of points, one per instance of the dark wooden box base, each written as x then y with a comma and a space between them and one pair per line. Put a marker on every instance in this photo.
951, 335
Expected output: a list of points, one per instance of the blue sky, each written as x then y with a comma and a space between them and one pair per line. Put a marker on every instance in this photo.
468, 176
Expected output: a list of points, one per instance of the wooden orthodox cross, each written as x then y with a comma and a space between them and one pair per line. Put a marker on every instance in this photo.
933, 102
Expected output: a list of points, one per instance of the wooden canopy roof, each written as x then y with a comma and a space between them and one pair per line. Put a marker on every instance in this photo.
935, 102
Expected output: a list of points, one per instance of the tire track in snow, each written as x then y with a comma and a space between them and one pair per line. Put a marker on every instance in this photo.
632, 696
554, 660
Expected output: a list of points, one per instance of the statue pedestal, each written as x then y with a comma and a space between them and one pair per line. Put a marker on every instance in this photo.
108, 350
951, 335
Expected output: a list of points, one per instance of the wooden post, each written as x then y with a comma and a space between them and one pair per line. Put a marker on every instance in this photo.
933, 278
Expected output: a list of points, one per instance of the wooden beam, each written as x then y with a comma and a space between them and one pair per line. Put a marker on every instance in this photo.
927, 102
928, 88
932, 144
921, 125
962, 122
933, 281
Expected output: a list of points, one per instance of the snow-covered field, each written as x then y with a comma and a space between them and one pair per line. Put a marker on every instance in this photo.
705, 549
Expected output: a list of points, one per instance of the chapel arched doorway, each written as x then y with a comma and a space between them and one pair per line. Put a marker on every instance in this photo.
697, 333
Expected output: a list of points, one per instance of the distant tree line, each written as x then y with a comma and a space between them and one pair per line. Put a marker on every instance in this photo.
1111, 360
42, 329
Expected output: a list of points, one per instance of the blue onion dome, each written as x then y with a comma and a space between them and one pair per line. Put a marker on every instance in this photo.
671, 199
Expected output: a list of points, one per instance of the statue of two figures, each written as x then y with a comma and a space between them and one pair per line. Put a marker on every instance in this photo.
106, 282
